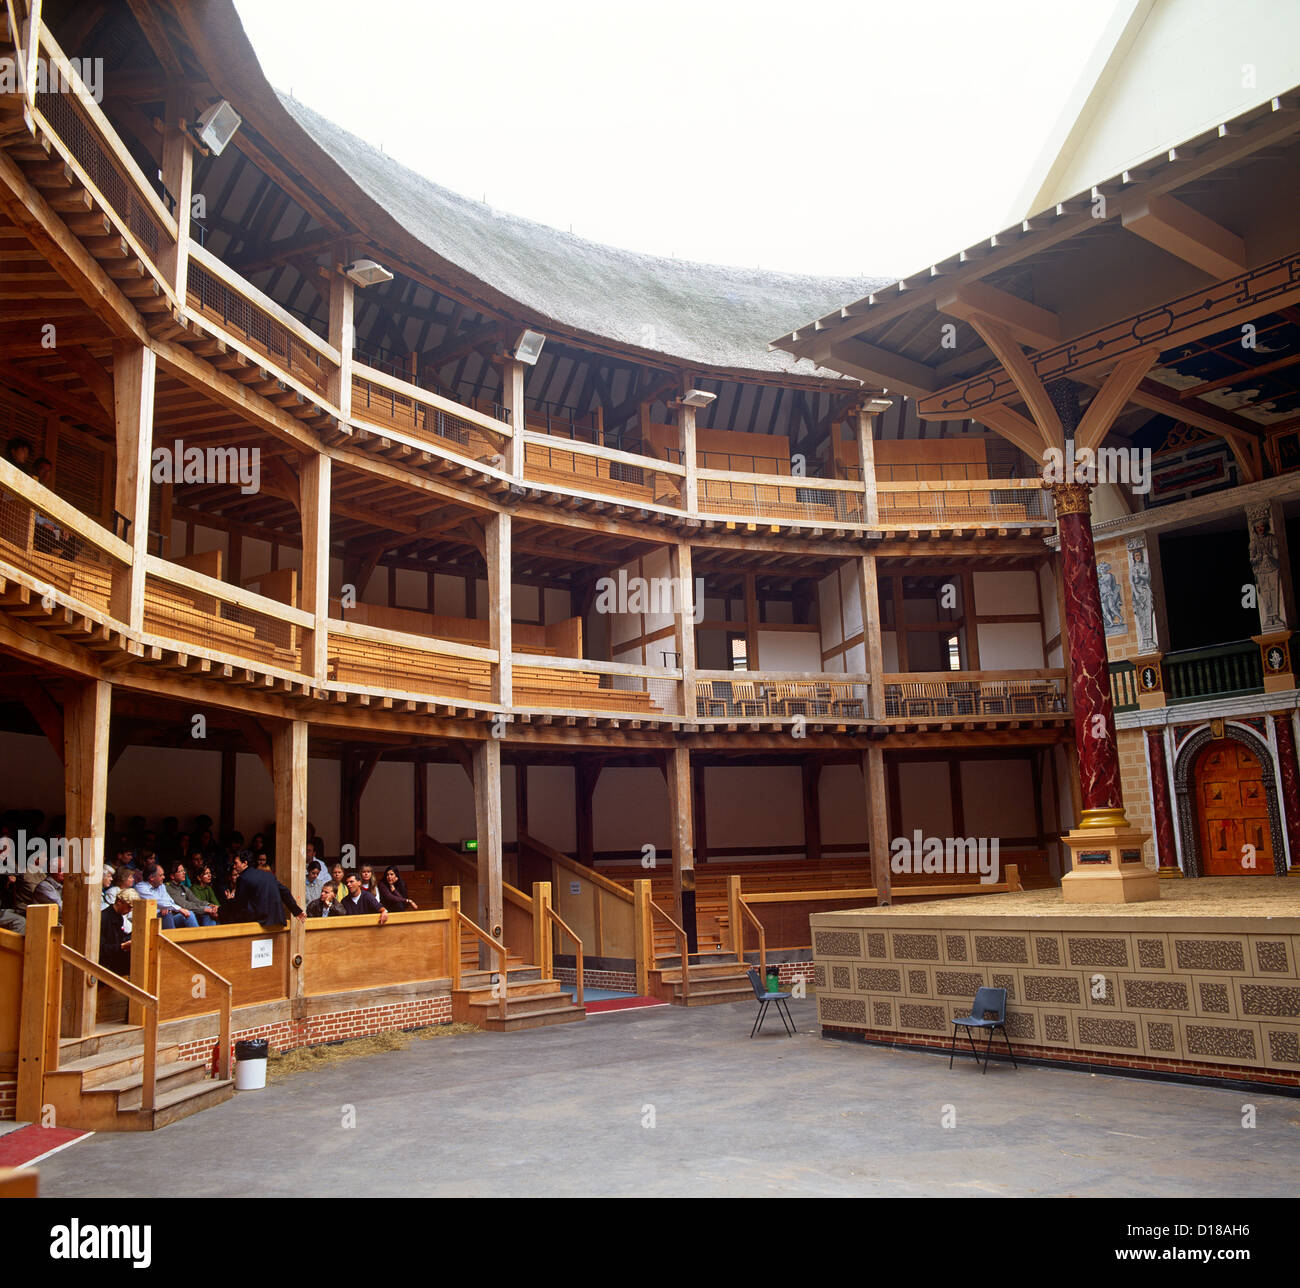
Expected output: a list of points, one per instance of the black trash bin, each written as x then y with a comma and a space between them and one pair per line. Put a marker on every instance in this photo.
250, 1064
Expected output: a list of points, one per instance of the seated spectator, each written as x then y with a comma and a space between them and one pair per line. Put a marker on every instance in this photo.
392, 892
201, 887
368, 881
184, 897
49, 890
259, 897
338, 875
323, 905
357, 901
170, 913
315, 878
11, 920
262, 861
18, 452
109, 890
115, 933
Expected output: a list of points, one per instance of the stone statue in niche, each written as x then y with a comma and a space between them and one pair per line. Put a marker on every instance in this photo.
1112, 600
1266, 565
1144, 606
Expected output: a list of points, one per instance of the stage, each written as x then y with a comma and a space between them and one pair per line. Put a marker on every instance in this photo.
1200, 983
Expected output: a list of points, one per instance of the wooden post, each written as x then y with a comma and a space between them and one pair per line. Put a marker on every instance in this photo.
873, 772
226, 807
867, 460
751, 622
85, 793
512, 399
314, 489
178, 179
700, 798
342, 336
869, 589
420, 787
144, 913
812, 823
680, 565
543, 935
497, 549
487, 816
643, 934
521, 800
289, 757
134, 376
586, 773
451, 903
36, 1017
680, 816
735, 917
691, 484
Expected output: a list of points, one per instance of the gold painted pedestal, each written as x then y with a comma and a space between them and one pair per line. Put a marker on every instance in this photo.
1107, 866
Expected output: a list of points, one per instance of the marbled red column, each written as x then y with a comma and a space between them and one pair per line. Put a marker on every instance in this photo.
1094, 716
1287, 770
1166, 851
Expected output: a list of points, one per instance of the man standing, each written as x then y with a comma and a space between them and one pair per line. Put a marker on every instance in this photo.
259, 897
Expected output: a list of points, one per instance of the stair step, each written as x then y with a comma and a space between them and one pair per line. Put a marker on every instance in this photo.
181, 1103
170, 1076
536, 1019
118, 1065
529, 1005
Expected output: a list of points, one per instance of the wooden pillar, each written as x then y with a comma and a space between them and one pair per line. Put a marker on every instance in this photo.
512, 399
701, 815
869, 589
683, 574
686, 434
751, 622
873, 772
314, 489
543, 935
490, 913
586, 773
289, 763
497, 548
681, 817
420, 811
134, 375
812, 816
867, 458
178, 179
85, 795
342, 336
40, 984
521, 799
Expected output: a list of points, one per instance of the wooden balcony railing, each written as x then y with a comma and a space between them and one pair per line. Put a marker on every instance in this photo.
1198, 674
764, 496
55, 545
569, 686
996, 502
780, 695
389, 403
587, 467
104, 166
945, 695
256, 324
397, 662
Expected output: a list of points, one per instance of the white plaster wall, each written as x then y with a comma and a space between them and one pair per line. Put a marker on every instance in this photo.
33, 774
1005, 592
630, 809
925, 799
157, 781
255, 557
412, 589
551, 806
789, 651
844, 818
448, 595
1010, 646
755, 805
450, 807
998, 798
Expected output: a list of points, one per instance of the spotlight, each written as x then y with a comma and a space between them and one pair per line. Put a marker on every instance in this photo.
365, 272
528, 348
697, 398
217, 126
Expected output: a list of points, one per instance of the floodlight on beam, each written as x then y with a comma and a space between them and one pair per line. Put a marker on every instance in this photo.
217, 126
365, 272
697, 398
528, 348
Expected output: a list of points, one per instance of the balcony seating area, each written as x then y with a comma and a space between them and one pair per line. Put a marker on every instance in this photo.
748, 699
180, 613
933, 699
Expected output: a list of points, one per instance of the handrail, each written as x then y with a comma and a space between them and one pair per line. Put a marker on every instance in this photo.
580, 448
192, 579
339, 626
560, 922
959, 485
685, 943
1009, 886
545, 661
737, 904
149, 1069
502, 953
417, 393
223, 1009
13, 480
781, 480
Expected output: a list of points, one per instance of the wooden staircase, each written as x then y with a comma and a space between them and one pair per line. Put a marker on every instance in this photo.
715, 978
99, 1083
531, 1002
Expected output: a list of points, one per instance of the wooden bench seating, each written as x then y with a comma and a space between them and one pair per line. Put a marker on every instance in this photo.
189, 615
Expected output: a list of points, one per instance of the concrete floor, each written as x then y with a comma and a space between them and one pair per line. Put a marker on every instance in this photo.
560, 1111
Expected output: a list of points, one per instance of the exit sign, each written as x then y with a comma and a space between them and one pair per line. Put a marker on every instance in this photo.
469, 845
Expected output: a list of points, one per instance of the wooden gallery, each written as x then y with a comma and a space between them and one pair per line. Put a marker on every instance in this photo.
634, 627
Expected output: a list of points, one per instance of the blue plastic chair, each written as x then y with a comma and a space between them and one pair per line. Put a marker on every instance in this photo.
765, 999
986, 999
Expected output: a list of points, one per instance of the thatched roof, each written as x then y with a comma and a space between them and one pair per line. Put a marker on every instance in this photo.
699, 313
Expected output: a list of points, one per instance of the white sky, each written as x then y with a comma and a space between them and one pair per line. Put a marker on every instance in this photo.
838, 136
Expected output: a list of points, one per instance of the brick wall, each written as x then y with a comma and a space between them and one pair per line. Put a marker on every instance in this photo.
8, 1099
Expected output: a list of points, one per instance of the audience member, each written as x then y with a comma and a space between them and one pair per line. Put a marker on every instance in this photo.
357, 901
315, 877
324, 905
392, 892
204, 913
49, 890
201, 886
259, 897
115, 933
170, 913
